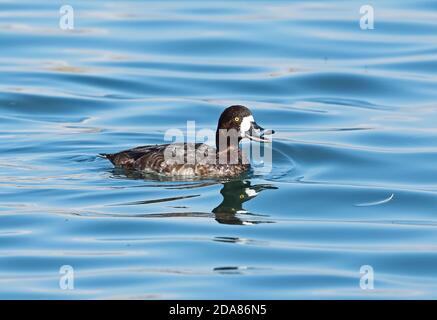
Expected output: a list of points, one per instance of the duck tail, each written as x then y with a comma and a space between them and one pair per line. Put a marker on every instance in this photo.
104, 155
108, 156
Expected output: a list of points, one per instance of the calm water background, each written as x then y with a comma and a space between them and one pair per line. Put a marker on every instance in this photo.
354, 180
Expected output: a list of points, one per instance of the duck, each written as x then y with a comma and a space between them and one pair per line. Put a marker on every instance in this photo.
198, 159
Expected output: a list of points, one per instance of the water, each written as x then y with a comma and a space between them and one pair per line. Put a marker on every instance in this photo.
354, 179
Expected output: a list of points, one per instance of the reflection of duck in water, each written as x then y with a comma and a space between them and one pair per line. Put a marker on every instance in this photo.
235, 193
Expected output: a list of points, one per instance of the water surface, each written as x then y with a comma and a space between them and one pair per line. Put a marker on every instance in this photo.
354, 178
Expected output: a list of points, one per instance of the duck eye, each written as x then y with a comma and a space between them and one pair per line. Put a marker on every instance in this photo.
241, 196
237, 119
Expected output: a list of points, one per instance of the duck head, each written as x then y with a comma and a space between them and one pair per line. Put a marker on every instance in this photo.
238, 120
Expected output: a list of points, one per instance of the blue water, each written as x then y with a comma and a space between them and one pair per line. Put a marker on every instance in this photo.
354, 178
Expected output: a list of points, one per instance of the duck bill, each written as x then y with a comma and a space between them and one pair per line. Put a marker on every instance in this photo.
257, 133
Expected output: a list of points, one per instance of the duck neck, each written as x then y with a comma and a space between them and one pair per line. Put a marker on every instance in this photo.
227, 142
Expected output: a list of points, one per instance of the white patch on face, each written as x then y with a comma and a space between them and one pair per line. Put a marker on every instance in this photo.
250, 192
245, 125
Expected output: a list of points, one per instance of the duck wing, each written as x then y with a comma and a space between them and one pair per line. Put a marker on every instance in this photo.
128, 158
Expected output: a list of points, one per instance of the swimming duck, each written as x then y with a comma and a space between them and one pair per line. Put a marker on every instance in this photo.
197, 159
